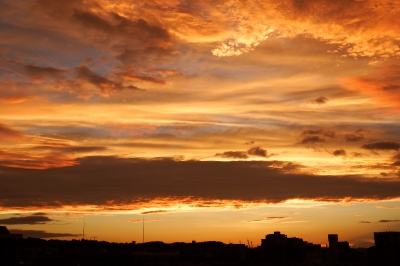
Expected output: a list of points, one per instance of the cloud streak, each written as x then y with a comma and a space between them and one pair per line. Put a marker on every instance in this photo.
31, 219
269, 219
382, 145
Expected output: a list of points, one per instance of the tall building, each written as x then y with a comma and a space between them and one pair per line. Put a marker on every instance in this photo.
387, 248
333, 248
278, 249
274, 248
275, 239
387, 239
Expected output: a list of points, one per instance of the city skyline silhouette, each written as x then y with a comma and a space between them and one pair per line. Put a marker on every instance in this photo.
275, 249
198, 120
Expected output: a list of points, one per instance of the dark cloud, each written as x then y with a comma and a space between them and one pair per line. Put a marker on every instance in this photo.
31, 219
311, 139
257, 151
122, 26
382, 145
320, 100
321, 135
134, 181
91, 20
353, 137
364, 222
340, 152
105, 85
35, 73
41, 234
389, 221
83, 75
41, 73
7, 133
130, 56
39, 213
312, 136
233, 154
320, 132
140, 40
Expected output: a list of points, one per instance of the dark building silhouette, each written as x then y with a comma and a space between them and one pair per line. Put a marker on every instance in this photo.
333, 254
278, 249
4, 233
344, 256
387, 249
274, 248
339, 252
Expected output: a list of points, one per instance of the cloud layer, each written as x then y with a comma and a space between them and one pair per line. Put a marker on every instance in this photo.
115, 182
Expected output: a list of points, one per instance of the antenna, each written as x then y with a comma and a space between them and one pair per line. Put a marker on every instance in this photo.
83, 234
143, 229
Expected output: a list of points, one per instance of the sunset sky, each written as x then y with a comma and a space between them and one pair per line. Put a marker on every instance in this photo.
211, 119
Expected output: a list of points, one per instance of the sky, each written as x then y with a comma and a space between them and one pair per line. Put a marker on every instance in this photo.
216, 120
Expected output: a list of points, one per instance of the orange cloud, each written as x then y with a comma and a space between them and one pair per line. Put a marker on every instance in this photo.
7, 133
383, 85
14, 92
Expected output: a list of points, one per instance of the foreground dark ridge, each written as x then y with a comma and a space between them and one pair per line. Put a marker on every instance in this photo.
275, 249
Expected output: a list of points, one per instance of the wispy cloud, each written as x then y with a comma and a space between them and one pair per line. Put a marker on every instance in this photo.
269, 219
389, 221
154, 212
386, 207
